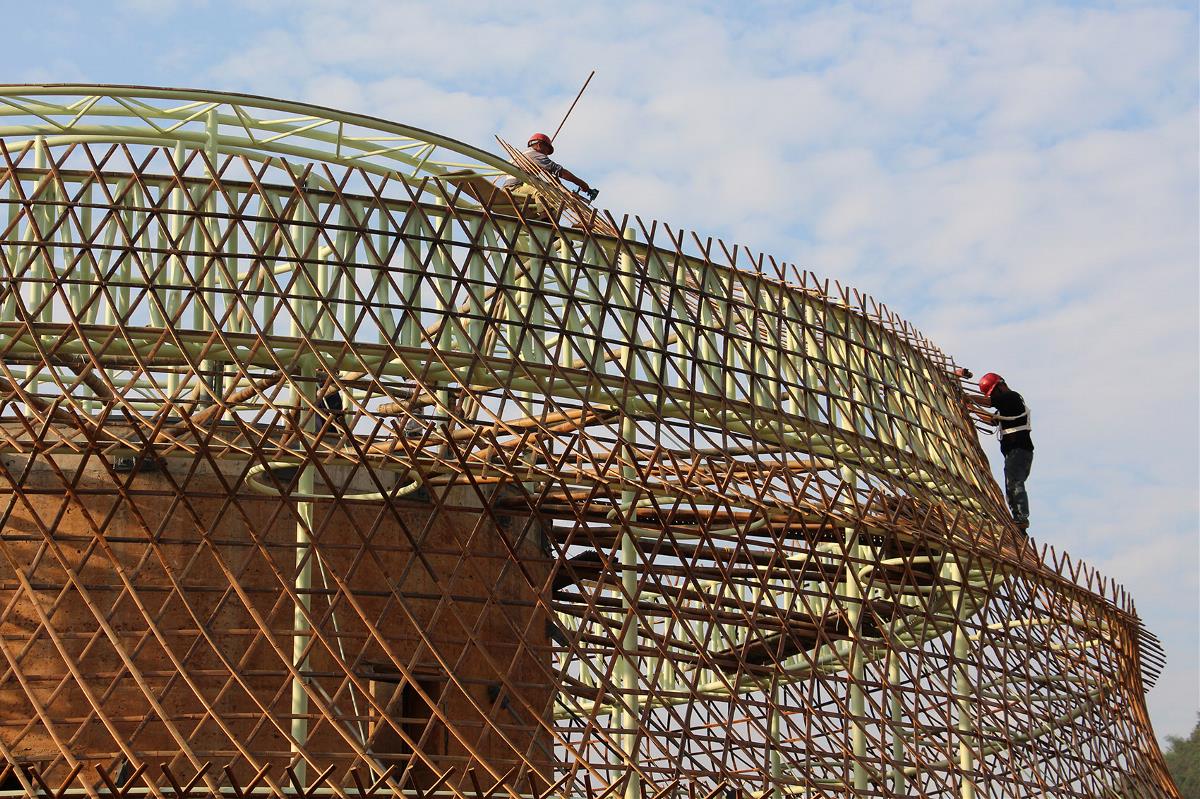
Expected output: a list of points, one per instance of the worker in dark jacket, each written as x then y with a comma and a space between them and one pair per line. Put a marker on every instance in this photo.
1016, 444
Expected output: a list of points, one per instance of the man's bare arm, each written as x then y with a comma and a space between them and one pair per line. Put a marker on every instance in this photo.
569, 175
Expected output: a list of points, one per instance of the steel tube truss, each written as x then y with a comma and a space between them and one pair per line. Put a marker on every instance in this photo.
326, 469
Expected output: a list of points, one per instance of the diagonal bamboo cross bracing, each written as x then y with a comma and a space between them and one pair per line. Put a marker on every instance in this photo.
327, 470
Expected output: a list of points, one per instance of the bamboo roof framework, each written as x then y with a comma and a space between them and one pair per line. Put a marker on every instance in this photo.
325, 472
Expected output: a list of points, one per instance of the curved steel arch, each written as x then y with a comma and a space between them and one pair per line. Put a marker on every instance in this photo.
385, 481
229, 122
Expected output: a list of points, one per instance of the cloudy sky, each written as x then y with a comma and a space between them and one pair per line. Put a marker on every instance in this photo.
1019, 179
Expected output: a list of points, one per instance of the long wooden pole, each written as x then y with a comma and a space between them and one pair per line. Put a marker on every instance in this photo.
572, 108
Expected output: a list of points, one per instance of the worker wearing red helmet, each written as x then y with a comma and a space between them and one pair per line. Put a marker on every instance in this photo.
539, 152
1016, 445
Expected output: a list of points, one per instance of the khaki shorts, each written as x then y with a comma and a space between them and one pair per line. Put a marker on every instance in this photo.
539, 209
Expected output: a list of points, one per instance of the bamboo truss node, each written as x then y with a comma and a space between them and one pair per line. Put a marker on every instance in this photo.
327, 468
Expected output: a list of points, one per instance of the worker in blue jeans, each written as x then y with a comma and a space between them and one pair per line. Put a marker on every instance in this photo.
1016, 444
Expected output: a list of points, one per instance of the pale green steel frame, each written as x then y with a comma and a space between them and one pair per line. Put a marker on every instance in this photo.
236, 124
912, 425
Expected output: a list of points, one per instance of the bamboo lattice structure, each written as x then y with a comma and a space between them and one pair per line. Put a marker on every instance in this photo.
327, 469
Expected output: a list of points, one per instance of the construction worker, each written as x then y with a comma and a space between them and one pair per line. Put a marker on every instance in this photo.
1016, 445
539, 152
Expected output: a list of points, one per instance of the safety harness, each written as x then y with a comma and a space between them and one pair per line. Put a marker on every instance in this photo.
1018, 426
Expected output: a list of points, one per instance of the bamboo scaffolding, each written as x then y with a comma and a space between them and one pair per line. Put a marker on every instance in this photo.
326, 472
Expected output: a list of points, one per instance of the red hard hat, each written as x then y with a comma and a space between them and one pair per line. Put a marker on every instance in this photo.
988, 383
543, 138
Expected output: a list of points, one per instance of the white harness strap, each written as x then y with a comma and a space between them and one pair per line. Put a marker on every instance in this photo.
1001, 430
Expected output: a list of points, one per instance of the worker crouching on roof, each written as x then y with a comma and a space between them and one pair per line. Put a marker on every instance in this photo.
539, 152
1016, 444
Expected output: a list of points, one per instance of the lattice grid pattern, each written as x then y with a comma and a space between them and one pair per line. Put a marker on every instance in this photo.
319, 478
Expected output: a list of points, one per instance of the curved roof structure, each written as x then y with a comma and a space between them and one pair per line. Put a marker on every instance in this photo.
327, 467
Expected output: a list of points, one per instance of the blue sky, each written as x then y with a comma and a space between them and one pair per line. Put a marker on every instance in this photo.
1019, 179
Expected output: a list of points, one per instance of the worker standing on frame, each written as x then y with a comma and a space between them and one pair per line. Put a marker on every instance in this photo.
1016, 444
539, 152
